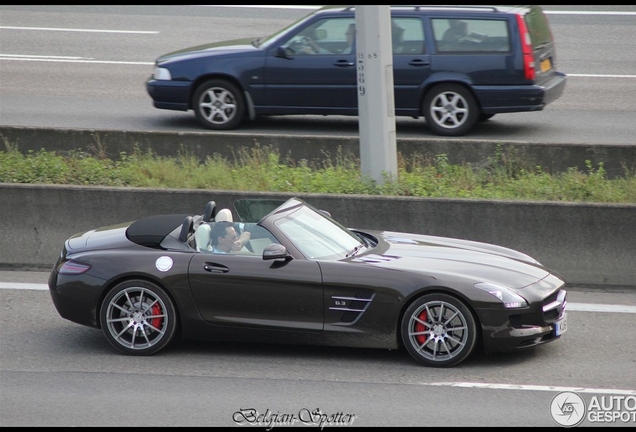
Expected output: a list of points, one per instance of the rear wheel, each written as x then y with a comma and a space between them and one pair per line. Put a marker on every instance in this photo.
450, 110
138, 318
219, 105
438, 330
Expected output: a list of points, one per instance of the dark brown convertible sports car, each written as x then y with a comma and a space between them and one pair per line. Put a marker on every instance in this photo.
304, 278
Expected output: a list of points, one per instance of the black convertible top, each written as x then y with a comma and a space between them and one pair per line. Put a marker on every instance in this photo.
151, 230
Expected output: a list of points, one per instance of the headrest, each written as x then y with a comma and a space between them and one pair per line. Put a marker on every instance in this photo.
224, 215
202, 237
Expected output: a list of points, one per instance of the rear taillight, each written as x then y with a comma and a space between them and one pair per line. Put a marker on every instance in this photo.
526, 48
73, 268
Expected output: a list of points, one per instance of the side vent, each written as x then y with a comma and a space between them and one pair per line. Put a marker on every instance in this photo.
352, 307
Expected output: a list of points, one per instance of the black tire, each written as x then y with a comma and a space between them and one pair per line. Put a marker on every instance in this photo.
138, 318
450, 110
438, 330
219, 105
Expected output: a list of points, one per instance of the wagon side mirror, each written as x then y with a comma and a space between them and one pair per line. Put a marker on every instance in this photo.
284, 52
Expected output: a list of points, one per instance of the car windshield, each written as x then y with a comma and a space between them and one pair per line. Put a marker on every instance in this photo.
317, 236
266, 41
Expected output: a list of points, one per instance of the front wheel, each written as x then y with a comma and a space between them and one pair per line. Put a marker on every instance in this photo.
138, 318
450, 110
438, 330
219, 105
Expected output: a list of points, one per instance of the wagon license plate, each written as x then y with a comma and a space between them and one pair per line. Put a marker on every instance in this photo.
546, 65
561, 326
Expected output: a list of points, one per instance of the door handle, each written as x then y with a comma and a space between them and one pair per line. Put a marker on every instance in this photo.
215, 268
344, 63
418, 62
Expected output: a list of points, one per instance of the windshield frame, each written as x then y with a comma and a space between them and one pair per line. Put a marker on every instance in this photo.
315, 235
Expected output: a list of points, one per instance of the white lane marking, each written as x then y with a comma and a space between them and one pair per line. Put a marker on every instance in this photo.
599, 76
78, 30
571, 307
587, 13
23, 286
592, 307
531, 387
67, 60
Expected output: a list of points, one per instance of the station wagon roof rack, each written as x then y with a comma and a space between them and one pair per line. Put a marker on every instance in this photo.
457, 7
439, 7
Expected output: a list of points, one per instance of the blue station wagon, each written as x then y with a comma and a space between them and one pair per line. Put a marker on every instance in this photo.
452, 65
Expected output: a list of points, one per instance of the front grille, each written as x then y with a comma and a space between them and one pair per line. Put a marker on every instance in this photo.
554, 305
515, 321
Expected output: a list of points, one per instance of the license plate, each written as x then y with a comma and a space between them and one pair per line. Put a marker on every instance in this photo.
561, 326
546, 65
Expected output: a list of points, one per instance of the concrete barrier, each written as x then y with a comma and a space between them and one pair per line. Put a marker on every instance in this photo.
590, 244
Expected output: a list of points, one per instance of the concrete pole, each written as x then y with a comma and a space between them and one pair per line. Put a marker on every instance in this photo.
376, 102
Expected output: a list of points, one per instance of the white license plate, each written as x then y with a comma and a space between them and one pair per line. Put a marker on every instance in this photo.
561, 326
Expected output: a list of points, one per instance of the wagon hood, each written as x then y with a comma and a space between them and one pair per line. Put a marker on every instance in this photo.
235, 46
447, 257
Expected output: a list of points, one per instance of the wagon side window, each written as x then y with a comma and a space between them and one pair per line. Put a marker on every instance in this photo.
471, 35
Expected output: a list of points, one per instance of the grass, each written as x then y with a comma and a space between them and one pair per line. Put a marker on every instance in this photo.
261, 169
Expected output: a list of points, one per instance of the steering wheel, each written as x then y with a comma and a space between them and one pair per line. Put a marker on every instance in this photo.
302, 44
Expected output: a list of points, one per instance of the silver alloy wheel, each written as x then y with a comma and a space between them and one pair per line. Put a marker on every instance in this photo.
449, 110
439, 330
137, 319
218, 105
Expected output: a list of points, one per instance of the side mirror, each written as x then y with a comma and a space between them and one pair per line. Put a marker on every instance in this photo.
284, 52
321, 34
275, 251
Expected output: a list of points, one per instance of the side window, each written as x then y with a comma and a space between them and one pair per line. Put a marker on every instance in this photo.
324, 37
407, 35
471, 35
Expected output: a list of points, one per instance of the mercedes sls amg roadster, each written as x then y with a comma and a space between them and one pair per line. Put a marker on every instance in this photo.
302, 277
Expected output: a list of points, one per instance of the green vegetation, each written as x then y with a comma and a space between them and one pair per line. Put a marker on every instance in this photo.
262, 169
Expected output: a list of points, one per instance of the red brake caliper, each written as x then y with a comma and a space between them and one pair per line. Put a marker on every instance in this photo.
156, 322
419, 327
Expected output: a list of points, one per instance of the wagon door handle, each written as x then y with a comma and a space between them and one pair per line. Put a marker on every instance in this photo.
215, 268
419, 62
344, 63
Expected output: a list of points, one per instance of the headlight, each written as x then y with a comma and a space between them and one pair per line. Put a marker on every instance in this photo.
162, 74
509, 298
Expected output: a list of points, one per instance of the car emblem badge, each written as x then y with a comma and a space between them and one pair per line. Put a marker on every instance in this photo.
164, 263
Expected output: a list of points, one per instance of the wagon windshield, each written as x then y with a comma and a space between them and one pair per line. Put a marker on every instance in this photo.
317, 236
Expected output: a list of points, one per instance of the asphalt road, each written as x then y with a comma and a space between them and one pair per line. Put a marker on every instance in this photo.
86, 66
57, 373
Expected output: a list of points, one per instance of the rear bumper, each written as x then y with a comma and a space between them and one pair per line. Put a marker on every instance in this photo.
507, 99
170, 95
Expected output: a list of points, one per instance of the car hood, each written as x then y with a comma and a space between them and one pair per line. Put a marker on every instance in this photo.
216, 48
443, 257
